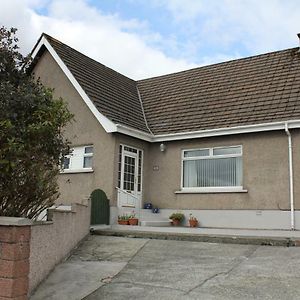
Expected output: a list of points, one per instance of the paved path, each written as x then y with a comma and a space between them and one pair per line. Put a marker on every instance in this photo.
123, 268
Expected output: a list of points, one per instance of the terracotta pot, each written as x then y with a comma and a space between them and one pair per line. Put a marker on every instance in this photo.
176, 222
133, 221
123, 222
193, 223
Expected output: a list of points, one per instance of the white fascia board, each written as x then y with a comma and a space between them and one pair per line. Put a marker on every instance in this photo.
226, 131
135, 133
107, 124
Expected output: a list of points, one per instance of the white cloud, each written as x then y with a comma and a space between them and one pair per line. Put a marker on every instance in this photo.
106, 38
259, 26
203, 31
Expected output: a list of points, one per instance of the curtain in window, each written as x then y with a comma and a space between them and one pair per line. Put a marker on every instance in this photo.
215, 172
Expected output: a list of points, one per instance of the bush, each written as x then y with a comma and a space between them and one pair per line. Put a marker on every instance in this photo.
31, 135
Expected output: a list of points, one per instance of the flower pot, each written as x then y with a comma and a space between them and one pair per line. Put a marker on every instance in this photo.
193, 223
123, 222
176, 222
133, 221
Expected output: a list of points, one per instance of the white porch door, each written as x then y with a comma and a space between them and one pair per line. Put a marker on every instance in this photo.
130, 185
129, 180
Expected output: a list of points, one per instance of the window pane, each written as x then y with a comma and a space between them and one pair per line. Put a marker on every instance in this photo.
87, 162
66, 164
129, 149
88, 149
194, 153
227, 150
219, 172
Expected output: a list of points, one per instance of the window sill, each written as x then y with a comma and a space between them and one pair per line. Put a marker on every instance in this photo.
75, 171
212, 191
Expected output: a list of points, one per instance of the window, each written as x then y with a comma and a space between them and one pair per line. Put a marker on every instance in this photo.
208, 168
80, 160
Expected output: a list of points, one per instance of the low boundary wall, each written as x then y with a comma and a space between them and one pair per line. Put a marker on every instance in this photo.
53, 240
29, 251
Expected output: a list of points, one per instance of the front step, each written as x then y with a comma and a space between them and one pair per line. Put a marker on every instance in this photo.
146, 217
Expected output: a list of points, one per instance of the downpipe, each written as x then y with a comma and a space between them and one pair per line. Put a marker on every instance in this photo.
291, 179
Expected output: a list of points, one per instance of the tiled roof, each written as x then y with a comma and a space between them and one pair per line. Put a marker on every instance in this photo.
114, 94
254, 90
258, 89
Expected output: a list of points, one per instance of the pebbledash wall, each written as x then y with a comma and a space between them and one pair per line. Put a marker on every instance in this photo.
29, 251
265, 201
83, 130
66, 229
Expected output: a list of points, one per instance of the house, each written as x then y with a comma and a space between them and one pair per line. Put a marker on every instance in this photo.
220, 141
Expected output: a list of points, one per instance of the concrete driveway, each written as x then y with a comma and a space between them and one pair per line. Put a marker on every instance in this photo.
124, 268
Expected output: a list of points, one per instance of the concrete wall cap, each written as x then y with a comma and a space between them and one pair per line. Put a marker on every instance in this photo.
13, 221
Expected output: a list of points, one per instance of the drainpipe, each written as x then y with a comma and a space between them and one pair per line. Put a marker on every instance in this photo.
291, 175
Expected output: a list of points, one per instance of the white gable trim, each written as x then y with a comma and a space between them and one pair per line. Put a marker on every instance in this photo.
107, 124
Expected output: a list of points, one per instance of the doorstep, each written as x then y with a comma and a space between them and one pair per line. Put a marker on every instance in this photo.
213, 235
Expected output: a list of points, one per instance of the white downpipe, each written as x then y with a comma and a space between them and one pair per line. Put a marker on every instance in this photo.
291, 179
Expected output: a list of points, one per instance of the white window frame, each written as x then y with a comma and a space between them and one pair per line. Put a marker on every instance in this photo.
210, 156
138, 193
82, 156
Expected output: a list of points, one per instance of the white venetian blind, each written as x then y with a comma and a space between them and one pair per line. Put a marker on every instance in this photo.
214, 167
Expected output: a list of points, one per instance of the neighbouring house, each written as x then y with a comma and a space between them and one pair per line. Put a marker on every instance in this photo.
220, 141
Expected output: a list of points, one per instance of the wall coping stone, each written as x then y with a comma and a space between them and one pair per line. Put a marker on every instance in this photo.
13, 221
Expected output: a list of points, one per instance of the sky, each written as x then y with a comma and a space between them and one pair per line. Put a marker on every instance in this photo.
146, 38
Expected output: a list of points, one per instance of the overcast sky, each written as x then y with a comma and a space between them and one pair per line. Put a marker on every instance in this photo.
144, 38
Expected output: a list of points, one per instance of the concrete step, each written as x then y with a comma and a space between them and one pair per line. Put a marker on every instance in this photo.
195, 235
143, 214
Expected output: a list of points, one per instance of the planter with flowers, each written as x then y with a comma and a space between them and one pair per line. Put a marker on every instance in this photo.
123, 220
132, 219
176, 218
193, 221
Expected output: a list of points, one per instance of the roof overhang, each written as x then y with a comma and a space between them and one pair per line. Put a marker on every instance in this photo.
209, 132
227, 131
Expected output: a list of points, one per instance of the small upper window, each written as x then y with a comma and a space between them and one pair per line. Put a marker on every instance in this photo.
80, 159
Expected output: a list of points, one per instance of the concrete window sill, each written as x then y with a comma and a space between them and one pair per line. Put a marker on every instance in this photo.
77, 171
211, 191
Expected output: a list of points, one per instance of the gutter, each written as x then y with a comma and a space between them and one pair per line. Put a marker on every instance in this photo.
154, 138
291, 179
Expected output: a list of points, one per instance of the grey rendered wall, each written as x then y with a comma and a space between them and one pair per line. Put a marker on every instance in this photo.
84, 130
265, 174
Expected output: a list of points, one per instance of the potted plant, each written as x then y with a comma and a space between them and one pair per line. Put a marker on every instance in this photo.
176, 218
133, 220
123, 220
193, 221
